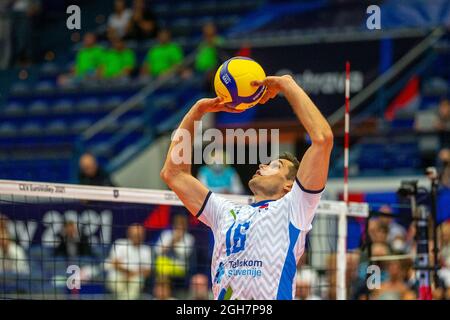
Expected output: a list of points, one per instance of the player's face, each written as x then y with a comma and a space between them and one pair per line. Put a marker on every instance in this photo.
271, 178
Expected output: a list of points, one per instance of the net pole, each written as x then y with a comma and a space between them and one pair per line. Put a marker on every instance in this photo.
347, 129
341, 256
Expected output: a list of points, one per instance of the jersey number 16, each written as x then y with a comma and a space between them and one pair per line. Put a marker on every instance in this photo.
235, 237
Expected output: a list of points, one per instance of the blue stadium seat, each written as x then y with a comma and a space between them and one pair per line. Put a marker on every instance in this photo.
31, 128
81, 125
88, 105
50, 69
64, 106
7, 129
45, 87
19, 88
38, 107
57, 127
14, 109
181, 23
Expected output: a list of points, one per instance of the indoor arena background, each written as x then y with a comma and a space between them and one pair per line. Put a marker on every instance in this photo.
95, 104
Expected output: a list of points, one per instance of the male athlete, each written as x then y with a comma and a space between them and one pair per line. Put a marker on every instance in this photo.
257, 246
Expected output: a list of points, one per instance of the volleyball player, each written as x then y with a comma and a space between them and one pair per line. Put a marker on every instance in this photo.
257, 246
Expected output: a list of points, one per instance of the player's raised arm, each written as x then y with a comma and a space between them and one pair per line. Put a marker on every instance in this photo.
313, 171
177, 168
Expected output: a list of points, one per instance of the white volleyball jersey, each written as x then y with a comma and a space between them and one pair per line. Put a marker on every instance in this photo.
257, 247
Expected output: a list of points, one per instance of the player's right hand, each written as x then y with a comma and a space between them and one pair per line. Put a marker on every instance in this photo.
274, 85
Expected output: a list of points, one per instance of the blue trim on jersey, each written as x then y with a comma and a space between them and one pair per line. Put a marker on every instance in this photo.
289, 267
204, 204
306, 190
260, 203
228, 239
222, 294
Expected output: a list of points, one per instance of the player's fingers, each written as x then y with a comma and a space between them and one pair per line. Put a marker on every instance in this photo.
266, 82
256, 83
225, 108
215, 100
211, 101
264, 99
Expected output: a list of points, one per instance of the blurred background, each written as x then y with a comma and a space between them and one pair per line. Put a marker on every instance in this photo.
96, 106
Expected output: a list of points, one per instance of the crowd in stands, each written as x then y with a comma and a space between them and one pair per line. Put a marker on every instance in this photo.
392, 250
129, 267
116, 62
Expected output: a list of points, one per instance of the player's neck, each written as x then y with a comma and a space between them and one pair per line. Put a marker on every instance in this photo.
264, 197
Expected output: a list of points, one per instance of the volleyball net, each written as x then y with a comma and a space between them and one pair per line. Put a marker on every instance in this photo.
60, 241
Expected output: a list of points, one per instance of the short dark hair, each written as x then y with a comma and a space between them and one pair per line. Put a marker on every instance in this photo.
295, 164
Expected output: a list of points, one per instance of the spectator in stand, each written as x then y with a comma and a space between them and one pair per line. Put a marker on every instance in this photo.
395, 287
351, 275
91, 173
199, 288
89, 58
3, 223
13, 259
163, 56
378, 232
142, 25
5, 33
207, 57
444, 167
87, 62
129, 264
174, 249
444, 272
118, 61
24, 13
119, 20
72, 243
306, 282
162, 289
220, 177
396, 233
442, 123
445, 243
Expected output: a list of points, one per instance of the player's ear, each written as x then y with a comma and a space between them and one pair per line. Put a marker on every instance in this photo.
288, 186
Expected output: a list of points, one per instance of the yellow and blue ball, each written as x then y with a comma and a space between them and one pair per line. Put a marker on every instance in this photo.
233, 82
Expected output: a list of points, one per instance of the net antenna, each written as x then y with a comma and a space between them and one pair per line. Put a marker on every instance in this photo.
341, 263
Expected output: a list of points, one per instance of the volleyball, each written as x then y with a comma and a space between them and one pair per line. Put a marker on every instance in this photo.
233, 81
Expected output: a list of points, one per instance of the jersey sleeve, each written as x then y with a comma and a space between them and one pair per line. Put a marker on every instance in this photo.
302, 205
214, 210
